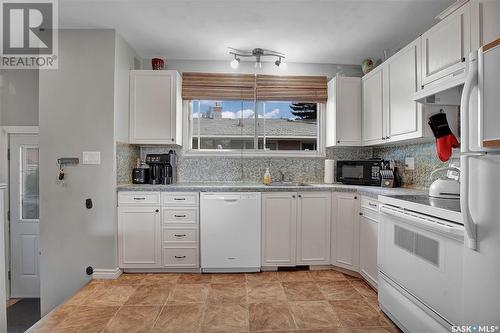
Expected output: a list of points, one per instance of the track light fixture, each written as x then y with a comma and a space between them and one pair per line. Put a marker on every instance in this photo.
258, 53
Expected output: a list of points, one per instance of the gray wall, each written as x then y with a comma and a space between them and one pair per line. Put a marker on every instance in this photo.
77, 114
19, 100
208, 66
125, 58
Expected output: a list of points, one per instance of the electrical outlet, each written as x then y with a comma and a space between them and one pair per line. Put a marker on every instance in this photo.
409, 163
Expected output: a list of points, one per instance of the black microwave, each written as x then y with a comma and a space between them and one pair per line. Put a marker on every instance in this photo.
359, 172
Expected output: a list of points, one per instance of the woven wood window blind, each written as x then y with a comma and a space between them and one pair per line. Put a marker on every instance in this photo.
213, 86
249, 87
291, 88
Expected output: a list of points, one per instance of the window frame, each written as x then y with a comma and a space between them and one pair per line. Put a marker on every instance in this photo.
187, 124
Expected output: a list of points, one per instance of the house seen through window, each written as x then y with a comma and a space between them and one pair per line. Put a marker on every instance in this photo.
249, 125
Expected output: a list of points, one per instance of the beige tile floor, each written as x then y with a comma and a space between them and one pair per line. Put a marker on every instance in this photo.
304, 301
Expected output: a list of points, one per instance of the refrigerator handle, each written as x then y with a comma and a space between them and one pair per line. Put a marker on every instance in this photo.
469, 225
470, 82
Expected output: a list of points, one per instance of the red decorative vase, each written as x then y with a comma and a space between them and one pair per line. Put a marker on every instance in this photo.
157, 63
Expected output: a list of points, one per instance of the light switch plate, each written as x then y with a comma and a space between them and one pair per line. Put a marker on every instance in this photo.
91, 157
410, 163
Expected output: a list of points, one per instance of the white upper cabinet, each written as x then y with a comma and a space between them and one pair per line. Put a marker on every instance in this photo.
373, 118
446, 46
343, 112
155, 107
389, 112
313, 228
403, 116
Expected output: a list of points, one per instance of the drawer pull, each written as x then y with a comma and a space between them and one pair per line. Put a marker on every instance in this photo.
179, 216
180, 257
178, 235
137, 198
179, 199
372, 204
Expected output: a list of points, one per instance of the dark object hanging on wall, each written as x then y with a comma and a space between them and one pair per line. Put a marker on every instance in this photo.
445, 139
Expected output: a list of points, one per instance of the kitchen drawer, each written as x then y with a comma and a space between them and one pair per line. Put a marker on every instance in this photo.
180, 215
367, 202
180, 257
180, 235
180, 199
370, 214
138, 198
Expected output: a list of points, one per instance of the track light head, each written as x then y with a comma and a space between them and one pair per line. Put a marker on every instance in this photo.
235, 63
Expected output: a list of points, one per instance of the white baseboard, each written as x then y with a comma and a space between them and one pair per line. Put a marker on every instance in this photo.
107, 274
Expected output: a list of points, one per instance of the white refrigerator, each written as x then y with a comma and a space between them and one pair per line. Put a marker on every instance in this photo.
480, 187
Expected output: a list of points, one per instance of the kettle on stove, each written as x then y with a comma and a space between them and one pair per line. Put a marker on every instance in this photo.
445, 187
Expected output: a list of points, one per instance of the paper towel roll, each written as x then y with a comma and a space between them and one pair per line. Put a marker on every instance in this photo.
329, 171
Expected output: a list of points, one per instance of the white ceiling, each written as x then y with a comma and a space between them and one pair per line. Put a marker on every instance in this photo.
343, 32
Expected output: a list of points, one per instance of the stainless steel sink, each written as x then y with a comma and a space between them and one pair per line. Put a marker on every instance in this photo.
291, 184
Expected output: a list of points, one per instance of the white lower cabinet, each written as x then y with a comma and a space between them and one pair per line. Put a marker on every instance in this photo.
313, 228
279, 228
154, 233
368, 240
295, 228
139, 238
345, 230
180, 230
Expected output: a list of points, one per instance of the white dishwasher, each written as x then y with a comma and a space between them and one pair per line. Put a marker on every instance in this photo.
230, 232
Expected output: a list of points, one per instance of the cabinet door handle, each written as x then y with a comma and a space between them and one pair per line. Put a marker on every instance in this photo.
355, 197
179, 199
179, 215
180, 257
463, 59
293, 196
137, 198
178, 235
300, 195
372, 204
361, 214
157, 211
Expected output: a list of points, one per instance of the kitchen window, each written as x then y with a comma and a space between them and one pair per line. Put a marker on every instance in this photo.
254, 114
255, 127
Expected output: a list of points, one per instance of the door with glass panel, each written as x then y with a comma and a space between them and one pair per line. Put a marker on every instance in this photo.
24, 216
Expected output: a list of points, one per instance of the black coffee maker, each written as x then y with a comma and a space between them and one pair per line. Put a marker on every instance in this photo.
161, 168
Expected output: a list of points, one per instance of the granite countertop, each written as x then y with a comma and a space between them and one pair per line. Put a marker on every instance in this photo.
372, 191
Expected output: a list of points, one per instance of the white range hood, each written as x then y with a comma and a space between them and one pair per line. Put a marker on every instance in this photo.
446, 91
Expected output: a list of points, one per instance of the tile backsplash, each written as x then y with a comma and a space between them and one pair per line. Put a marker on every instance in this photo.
126, 155
251, 169
426, 160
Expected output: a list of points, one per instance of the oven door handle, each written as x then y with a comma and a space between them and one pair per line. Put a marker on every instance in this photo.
421, 220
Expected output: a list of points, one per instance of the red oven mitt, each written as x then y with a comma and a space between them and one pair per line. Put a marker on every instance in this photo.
445, 139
